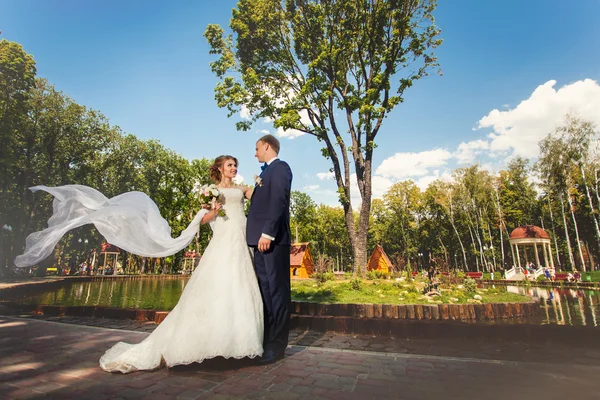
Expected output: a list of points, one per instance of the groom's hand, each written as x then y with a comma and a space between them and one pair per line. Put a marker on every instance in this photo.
263, 244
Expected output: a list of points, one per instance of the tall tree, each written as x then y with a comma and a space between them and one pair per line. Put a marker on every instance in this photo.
298, 62
403, 200
17, 77
303, 214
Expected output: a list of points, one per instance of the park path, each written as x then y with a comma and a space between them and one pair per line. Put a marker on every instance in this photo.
47, 359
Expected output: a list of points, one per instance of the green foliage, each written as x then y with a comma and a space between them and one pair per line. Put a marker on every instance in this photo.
375, 274
470, 285
47, 138
299, 63
303, 214
385, 292
322, 277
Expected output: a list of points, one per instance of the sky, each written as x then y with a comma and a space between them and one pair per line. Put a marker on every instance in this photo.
511, 70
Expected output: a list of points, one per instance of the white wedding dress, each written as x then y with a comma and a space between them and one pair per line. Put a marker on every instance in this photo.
220, 312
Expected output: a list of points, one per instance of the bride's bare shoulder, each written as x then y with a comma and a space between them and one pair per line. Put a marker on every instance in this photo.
245, 189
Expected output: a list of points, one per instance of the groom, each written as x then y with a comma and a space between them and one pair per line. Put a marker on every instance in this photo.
268, 233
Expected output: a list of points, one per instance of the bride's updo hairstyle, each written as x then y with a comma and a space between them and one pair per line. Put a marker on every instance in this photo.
215, 173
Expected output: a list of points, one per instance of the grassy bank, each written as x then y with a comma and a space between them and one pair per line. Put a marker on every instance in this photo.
396, 292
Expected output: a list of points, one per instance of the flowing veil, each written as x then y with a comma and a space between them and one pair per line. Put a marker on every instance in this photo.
130, 221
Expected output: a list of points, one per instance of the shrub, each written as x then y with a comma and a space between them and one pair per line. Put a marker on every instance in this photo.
412, 289
470, 285
322, 277
397, 285
374, 274
371, 275
355, 283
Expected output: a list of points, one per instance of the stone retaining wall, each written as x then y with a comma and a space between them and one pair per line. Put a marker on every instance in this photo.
326, 317
561, 284
452, 312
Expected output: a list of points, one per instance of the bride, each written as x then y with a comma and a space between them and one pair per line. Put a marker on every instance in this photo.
220, 312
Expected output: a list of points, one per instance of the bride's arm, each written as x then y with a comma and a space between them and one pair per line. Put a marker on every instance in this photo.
211, 214
248, 190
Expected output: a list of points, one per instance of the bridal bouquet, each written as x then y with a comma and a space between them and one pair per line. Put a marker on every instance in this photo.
208, 195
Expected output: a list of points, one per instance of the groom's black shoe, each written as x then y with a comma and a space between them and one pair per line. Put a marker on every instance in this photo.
270, 355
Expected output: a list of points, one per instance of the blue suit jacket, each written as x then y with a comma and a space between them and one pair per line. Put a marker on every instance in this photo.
270, 205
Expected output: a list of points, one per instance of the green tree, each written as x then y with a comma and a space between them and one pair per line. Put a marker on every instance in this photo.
403, 201
303, 213
17, 77
300, 62
329, 236
517, 194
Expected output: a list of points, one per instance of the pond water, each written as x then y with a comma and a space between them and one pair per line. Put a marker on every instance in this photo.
563, 306
142, 293
559, 305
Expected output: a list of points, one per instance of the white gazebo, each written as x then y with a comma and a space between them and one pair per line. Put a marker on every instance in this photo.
190, 261
534, 237
111, 254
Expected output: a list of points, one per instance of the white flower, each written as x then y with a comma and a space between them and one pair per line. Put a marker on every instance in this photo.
258, 180
477, 297
214, 192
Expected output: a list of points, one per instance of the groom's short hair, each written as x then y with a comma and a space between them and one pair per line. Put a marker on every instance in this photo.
271, 141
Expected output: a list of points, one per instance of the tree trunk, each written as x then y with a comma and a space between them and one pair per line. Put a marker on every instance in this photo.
500, 225
474, 246
492, 248
456, 231
553, 231
445, 252
477, 230
592, 212
572, 209
597, 188
142, 266
569, 248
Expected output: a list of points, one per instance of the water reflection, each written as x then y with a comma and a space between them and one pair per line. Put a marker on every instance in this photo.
559, 305
564, 306
149, 293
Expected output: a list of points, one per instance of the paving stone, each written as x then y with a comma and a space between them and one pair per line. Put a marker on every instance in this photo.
418, 369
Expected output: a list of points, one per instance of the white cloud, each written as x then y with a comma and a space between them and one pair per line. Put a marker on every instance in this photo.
310, 188
325, 176
510, 133
426, 180
245, 113
380, 185
294, 133
264, 131
289, 133
468, 152
405, 165
518, 131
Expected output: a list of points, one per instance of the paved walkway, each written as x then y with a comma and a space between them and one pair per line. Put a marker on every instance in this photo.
18, 281
44, 359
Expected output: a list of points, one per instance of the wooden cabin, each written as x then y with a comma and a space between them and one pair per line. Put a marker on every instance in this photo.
301, 262
379, 261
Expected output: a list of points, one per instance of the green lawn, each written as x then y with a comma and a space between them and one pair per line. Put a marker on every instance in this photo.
395, 292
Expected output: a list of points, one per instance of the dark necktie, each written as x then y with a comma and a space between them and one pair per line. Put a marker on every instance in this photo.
264, 166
